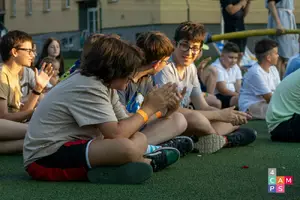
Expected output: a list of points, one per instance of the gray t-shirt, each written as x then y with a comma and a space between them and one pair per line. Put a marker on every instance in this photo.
143, 86
190, 80
70, 112
27, 81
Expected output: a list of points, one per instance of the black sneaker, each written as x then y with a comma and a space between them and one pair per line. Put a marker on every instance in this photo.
163, 157
184, 144
241, 137
130, 173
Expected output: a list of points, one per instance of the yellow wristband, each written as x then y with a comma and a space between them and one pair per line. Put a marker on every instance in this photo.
158, 114
143, 114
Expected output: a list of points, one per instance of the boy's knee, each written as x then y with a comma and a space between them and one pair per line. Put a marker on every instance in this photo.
131, 152
213, 72
179, 122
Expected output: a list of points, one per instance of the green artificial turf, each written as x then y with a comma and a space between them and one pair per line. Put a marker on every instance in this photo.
213, 177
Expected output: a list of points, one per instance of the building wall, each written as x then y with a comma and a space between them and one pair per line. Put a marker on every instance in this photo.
57, 19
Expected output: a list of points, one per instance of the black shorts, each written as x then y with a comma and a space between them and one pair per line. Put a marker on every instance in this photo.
68, 163
224, 99
287, 131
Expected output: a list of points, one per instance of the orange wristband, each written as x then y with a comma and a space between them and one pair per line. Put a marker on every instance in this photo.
143, 114
158, 114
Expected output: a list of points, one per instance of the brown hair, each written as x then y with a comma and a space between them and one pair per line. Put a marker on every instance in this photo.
48, 60
190, 31
156, 46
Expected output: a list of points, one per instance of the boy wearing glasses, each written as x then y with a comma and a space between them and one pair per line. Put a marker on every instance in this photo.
157, 49
17, 51
204, 120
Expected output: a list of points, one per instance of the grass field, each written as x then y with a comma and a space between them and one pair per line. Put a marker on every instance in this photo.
213, 177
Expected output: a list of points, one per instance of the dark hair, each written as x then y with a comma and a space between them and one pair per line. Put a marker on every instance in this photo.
155, 45
231, 47
88, 43
48, 60
111, 58
13, 39
45, 54
190, 31
262, 48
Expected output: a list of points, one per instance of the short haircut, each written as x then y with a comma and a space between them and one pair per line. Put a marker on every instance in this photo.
13, 39
48, 60
263, 47
155, 46
111, 58
231, 47
190, 31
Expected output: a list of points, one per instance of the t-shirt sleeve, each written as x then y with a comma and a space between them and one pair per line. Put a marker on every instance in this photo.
221, 76
164, 76
258, 85
122, 97
238, 73
92, 107
4, 87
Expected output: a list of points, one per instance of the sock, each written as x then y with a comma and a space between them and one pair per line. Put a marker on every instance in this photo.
152, 148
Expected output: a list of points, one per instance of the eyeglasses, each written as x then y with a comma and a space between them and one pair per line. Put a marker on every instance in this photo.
30, 51
184, 46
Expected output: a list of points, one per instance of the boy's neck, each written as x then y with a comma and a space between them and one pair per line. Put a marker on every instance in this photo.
265, 66
142, 73
13, 67
179, 67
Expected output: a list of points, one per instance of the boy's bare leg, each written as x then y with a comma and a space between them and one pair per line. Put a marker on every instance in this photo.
11, 146
118, 151
197, 123
12, 130
234, 101
223, 128
164, 129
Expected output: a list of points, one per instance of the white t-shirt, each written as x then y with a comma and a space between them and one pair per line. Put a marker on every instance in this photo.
229, 76
190, 80
256, 83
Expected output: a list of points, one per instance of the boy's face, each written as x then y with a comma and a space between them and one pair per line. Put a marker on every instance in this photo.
272, 57
56, 66
24, 54
229, 59
186, 52
159, 65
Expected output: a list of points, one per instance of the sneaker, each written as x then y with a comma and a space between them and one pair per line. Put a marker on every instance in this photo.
130, 173
241, 137
184, 144
163, 157
209, 143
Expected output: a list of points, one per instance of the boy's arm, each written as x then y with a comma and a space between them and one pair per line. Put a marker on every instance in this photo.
221, 87
247, 8
200, 103
18, 116
238, 85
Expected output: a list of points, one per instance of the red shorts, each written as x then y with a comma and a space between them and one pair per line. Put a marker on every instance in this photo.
68, 163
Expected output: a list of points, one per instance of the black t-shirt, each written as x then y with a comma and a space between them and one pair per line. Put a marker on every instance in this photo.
233, 22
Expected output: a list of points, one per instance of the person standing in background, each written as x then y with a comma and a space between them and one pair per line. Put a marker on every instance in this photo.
281, 17
234, 12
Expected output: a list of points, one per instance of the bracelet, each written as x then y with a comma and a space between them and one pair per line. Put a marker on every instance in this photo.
158, 114
35, 92
143, 114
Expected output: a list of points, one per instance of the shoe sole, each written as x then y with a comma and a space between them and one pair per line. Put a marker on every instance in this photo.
130, 173
210, 143
182, 154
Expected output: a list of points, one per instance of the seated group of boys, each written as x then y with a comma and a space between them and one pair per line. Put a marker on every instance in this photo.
122, 114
